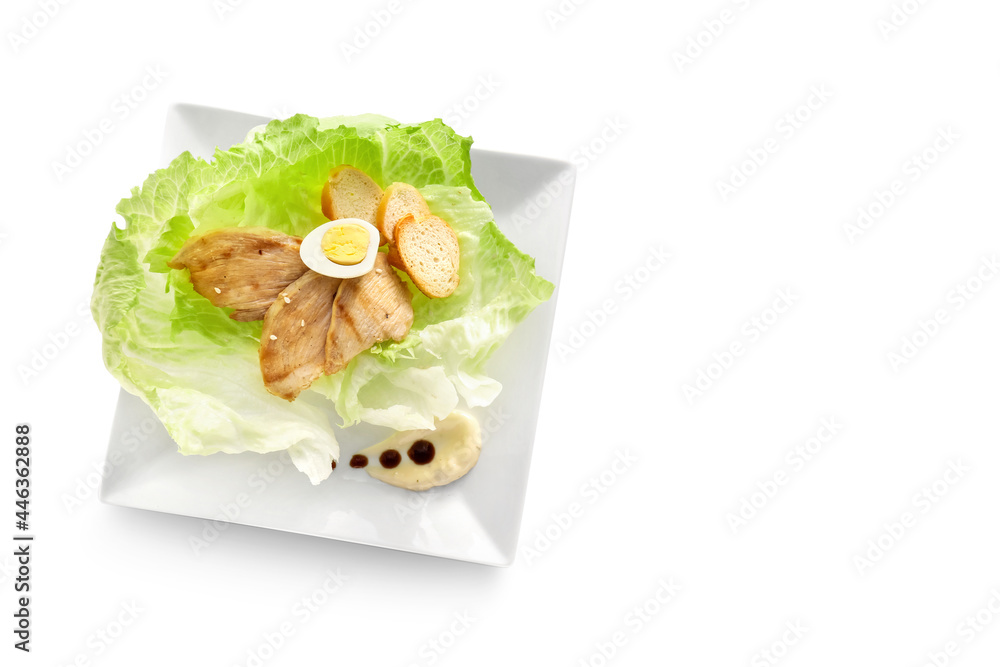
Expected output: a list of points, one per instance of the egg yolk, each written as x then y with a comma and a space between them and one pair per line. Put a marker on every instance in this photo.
345, 244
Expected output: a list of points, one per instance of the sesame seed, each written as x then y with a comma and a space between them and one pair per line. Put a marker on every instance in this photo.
273, 337
287, 300
218, 291
303, 322
378, 270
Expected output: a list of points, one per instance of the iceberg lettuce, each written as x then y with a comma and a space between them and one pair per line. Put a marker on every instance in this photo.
198, 369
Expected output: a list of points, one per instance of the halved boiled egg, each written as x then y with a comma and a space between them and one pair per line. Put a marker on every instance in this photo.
344, 248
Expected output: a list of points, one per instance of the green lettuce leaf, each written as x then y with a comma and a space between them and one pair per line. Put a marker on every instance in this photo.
199, 370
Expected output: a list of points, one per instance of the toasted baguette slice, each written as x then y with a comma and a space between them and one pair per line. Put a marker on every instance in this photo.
395, 259
398, 201
428, 250
350, 193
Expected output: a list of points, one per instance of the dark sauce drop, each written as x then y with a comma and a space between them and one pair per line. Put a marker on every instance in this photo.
333, 465
421, 452
390, 458
359, 461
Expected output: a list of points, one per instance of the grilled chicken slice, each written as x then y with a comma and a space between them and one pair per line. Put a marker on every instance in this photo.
293, 342
368, 309
241, 267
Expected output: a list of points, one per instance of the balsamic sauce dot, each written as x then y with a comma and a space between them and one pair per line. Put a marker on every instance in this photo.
421, 452
390, 458
359, 461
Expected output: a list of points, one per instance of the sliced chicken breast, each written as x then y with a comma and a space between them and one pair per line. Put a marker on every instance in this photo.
368, 309
241, 267
293, 342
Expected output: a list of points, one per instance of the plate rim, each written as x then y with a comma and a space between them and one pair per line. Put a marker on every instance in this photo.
508, 552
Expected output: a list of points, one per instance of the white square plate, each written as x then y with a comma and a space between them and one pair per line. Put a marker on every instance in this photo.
474, 519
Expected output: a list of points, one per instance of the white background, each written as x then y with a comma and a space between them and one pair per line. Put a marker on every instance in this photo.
654, 185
